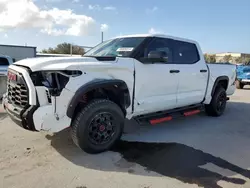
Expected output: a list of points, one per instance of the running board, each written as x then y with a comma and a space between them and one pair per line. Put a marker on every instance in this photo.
163, 116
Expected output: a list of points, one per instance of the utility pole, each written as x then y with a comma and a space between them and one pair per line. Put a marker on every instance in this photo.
70, 49
102, 36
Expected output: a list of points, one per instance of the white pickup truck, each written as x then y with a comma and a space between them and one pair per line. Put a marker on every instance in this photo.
151, 78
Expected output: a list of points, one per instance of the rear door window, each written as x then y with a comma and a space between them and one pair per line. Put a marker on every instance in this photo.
185, 53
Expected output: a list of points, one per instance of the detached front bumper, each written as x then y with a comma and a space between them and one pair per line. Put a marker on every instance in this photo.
22, 117
51, 117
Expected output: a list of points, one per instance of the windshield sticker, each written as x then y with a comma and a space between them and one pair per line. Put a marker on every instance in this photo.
124, 49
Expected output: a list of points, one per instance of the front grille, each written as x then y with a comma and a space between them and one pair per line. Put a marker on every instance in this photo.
17, 92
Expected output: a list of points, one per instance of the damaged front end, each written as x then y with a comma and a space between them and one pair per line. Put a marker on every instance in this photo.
38, 100
53, 81
53, 98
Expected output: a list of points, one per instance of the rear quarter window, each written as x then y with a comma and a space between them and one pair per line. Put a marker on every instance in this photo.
4, 61
185, 53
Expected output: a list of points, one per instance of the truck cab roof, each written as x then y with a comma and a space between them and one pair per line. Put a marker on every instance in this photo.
158, 35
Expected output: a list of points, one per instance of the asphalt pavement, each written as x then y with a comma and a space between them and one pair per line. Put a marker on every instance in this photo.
197, 151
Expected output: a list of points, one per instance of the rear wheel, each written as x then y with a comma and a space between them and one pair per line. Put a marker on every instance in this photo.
239, 85
217, 105
98, 126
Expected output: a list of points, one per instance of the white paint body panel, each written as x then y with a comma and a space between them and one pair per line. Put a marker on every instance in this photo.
52, 117
156, 89
217, 70
61, 63
191, 83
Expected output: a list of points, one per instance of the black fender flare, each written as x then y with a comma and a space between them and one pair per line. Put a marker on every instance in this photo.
94, 84
220, 78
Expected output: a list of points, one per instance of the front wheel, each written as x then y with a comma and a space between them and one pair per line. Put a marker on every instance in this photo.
217, 105
98, 126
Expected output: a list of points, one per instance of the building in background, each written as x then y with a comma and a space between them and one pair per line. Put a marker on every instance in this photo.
220, 57
18, 52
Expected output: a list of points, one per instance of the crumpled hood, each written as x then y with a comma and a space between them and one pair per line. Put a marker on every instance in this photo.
62, 63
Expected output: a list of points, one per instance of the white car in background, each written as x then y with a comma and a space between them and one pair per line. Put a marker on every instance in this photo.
5, 61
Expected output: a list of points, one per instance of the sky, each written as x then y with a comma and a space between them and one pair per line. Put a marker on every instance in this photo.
218, 25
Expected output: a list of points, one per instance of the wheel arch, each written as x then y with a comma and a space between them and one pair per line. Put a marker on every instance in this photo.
115, 84
221, 80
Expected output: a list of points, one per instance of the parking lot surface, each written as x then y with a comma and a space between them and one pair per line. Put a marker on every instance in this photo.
198, 151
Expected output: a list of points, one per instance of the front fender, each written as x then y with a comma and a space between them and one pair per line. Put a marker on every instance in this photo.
94, 84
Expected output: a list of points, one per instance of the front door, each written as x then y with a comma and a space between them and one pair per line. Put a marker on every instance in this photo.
156, 84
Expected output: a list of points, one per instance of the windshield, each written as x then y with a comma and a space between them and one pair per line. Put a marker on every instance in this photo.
122, 47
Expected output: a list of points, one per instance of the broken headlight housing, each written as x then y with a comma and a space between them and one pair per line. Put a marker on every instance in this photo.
55, 81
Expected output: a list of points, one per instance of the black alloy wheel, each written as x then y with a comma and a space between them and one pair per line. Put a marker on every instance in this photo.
102, 128
97, 126
221, 104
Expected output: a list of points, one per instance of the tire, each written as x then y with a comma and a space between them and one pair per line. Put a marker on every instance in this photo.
96, 120
239, 85
217, 105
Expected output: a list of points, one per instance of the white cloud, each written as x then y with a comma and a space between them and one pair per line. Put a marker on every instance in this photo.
98, 7
25, 14
94, 7
53, 31
75, 1
109, 8
104, 27
154, 31
52, 1
6, 35
151, 10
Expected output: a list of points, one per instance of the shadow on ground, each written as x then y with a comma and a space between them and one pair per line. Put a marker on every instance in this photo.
173, 160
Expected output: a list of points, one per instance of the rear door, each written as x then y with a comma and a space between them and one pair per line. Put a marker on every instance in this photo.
193, 73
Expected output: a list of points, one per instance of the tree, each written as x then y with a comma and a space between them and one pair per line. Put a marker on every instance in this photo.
238, 60
227, 58
65, 48
246, 60
210, 58
242, 60
206, 56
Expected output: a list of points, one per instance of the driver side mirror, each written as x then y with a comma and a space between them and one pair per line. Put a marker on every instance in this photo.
155, 57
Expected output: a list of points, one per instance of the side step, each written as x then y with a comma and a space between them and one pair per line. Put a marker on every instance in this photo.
163, 116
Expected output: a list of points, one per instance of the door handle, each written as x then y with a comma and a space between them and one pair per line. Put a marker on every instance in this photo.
174, 71
203, 70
